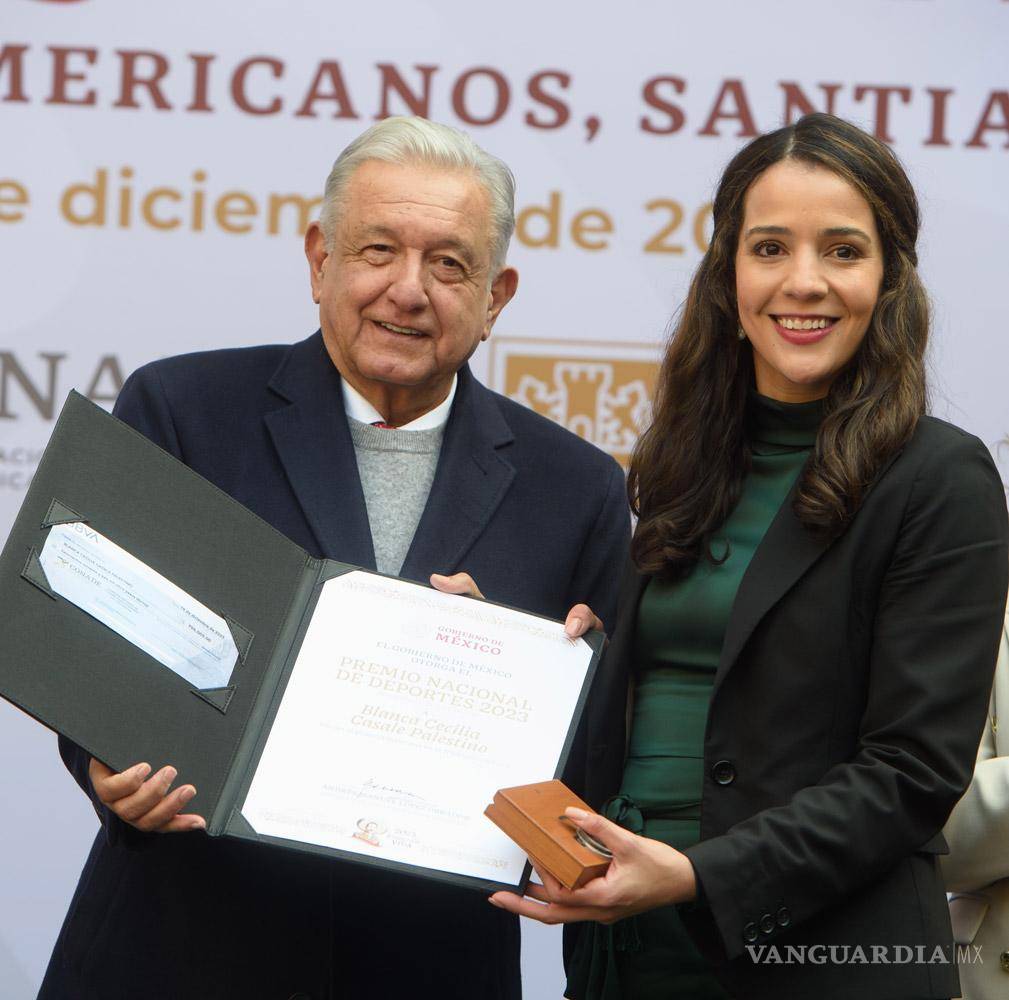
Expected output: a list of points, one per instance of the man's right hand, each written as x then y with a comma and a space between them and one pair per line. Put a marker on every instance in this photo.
149, 804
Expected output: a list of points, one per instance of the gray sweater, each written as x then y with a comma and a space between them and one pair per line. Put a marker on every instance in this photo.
397, 470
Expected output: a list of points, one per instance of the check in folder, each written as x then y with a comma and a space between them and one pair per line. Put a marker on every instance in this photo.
315, 706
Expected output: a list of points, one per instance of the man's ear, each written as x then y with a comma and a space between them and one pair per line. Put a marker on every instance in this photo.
315, 251
501, 291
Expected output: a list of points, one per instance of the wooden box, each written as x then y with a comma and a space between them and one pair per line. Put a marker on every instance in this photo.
533, 816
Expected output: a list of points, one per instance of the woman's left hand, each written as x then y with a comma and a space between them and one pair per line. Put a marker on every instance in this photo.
643, 874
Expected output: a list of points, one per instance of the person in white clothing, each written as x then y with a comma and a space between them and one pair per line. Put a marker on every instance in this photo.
977, 868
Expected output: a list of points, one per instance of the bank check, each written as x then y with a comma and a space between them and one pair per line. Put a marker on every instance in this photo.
132, 599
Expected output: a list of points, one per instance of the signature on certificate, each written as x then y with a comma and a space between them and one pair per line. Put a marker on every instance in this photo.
371, 785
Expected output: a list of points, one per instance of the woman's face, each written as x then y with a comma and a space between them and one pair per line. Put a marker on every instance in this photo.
808, 270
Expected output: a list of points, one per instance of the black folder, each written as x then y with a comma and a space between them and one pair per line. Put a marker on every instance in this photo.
82, 679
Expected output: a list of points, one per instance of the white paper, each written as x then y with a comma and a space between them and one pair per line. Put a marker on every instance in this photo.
140, 604
405, 712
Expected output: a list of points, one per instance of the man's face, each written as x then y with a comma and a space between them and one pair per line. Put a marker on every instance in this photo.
405, 292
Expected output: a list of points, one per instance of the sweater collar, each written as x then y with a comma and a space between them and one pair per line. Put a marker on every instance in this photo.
776, 423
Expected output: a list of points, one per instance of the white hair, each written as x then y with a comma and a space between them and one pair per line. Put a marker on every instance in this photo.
416, 140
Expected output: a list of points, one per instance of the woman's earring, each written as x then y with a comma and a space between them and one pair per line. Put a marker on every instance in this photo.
740, 332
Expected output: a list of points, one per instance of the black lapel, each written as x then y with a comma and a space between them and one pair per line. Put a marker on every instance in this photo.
470, 482
313, 440
786, 551
609, 693
632, 588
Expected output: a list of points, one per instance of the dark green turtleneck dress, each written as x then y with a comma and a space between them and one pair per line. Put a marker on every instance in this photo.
680, 630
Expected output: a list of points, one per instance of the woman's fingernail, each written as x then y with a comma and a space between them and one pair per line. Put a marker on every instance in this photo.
575, 813
571, 626
493, 902
186, 794
142, 770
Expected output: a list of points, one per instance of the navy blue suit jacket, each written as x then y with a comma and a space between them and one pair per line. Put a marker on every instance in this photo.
537, 516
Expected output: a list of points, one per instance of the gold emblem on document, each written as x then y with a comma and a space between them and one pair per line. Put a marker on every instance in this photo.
369, 831
599, 390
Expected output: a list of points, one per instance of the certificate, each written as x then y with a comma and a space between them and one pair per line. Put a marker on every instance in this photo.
405, 711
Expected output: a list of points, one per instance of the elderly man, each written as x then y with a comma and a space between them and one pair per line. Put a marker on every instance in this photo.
370, 443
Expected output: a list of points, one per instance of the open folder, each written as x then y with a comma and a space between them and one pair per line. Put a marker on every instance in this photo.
315, 706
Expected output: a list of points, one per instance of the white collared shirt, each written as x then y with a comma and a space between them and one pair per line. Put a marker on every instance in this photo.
361, 410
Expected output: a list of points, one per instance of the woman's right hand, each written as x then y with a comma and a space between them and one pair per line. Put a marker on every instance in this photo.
581, 619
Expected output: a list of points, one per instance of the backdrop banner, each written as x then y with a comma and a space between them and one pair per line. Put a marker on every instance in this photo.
161, 161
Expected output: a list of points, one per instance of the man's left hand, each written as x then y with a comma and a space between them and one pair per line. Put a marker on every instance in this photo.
458, 583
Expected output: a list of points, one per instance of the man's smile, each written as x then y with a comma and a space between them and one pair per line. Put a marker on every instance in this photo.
408, 330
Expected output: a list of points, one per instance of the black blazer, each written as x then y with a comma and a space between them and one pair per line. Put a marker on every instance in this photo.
847, 706
536, 515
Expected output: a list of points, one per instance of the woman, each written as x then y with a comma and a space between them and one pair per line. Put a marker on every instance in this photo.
809, 622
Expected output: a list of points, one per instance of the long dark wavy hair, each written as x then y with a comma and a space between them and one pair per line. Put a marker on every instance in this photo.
688, 468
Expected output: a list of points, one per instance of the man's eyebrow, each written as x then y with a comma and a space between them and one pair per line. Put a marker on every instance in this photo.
463, 249
460, 247
370, 231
